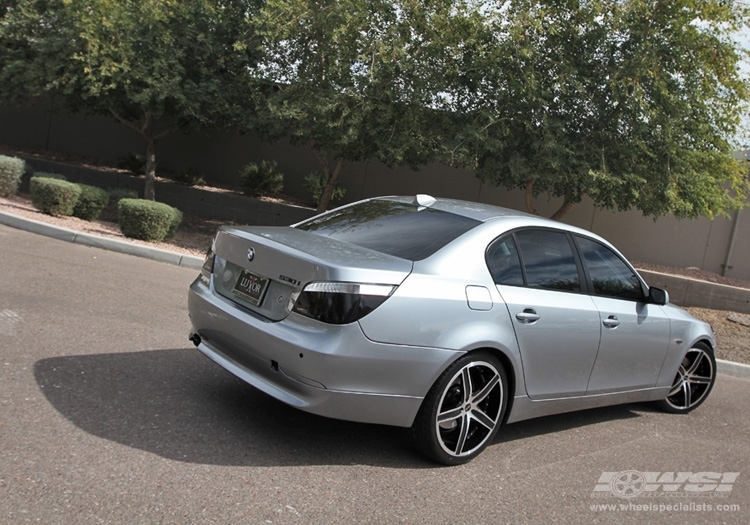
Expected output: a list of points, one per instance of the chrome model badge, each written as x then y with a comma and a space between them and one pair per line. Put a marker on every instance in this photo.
250, 254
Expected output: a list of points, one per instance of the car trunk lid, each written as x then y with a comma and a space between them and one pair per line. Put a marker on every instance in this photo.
265, 268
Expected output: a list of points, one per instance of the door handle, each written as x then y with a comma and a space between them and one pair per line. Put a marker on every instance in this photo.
611, 322
528, 316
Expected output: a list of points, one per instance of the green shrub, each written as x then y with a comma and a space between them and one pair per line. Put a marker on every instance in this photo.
26, 185
54, 196
316, 183
148, 220
175, 223
115, 196
261, 179
11, 171
91, 202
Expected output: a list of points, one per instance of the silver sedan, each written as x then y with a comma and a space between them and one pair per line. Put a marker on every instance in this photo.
447, 317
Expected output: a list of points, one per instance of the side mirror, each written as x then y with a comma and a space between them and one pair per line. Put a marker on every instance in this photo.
658, 296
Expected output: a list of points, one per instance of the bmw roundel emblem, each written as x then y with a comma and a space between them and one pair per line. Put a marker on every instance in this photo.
250, 254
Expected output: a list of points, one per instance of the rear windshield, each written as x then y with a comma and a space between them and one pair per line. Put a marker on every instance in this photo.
394, 228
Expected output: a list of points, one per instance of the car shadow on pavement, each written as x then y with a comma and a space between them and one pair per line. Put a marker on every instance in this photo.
180, 406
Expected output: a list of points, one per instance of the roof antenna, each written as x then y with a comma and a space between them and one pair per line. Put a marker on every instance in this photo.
424, 201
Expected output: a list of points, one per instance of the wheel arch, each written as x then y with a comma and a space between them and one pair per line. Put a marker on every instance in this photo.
708, 342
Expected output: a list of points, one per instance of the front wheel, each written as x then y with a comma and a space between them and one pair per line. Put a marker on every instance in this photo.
694, 380
463, 410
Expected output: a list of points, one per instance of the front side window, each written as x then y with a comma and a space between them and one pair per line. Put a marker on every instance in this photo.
610, 276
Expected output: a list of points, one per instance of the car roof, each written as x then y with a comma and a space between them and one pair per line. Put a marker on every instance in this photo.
473, 210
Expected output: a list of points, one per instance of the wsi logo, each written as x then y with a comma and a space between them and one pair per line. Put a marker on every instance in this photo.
632, 483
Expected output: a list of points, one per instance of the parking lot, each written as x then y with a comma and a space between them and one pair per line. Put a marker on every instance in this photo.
108, 414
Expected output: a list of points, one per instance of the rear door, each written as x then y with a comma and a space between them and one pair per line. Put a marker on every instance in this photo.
557, 325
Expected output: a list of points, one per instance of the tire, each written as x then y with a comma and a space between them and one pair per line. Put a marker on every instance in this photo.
455, 424
694, 380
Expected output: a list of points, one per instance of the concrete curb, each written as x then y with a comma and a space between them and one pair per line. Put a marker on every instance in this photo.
189, 261
64, 234
731, 368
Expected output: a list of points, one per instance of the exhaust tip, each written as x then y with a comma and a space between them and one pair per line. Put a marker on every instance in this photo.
195, 339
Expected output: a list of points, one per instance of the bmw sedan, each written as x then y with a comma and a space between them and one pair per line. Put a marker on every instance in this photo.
447, 317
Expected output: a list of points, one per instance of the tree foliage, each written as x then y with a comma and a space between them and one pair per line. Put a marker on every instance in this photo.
154, 65
633, 103
355, 78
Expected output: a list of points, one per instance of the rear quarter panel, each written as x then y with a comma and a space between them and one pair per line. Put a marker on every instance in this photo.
430, 308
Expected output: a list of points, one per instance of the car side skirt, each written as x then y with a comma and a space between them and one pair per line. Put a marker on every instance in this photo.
525, 408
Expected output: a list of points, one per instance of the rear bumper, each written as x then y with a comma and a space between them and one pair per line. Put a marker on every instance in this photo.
333, 371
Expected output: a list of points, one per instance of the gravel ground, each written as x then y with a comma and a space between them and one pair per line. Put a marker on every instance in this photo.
732, 337
195, 234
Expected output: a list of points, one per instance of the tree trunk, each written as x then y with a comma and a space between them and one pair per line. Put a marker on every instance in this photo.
146, 130
565, 208
333, 179
149, 191
529, 197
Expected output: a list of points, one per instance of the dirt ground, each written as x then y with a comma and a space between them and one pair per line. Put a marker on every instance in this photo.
732, 337
195, 234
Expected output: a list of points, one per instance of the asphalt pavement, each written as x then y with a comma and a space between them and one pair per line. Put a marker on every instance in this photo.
109, 415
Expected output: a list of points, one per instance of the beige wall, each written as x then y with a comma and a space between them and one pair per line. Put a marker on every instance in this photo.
219, 155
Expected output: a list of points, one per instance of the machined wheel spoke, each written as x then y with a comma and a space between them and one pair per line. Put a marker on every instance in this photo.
483, 419
466, 380
695, 364
482, 394
700, 380
449, 415
462, 436
688, 393
678, 382
676, 388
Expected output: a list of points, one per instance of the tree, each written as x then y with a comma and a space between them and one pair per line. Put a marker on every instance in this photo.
154, 65
355, 79
633, 103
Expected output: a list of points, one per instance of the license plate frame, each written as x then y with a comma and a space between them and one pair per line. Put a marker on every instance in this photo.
251, 287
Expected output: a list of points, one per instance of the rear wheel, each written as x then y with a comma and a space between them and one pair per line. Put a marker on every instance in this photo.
694, 380
463, 410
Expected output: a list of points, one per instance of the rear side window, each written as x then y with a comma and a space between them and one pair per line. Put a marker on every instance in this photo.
398, 229
503, 262
548, 260
610, 276
547, 256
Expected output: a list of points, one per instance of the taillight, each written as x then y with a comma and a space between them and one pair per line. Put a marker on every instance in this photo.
208, 263
341, 303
